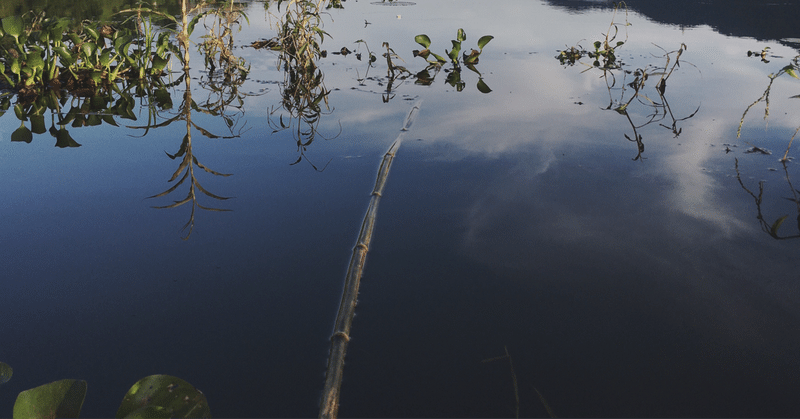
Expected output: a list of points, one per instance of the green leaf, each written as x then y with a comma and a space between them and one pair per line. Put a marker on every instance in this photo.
97, 77
484, 40
88, 49
482, 87
92, 33
461, 36
12, 25
164, 393
59, 399
15, 67
159, 64
65, 55
193, 22
453, 54
790, 71
35, 60
423, 40
5, 372
105, 58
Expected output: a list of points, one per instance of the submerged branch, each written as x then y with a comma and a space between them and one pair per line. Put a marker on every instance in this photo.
329, 406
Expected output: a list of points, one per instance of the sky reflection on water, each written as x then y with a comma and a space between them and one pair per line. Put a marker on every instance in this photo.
518, 218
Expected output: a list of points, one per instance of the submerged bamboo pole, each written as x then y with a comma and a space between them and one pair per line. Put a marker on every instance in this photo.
329, 406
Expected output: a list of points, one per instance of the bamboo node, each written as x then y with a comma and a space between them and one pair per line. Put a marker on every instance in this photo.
378, 194
341, 335
362, 246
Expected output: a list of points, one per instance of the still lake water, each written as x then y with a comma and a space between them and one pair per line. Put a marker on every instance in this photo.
622, 284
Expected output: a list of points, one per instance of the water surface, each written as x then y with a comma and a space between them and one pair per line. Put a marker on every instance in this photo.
622, 283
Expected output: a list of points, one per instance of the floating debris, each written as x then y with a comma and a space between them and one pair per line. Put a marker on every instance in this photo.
760, 150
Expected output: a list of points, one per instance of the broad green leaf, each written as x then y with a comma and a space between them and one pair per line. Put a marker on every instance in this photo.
790, 71
15, 67
105, 58
92, 33
156, 392
97, 77
423, 40
65, 55
484, 40
59, 399
159, 64
12, 25
5, 372
35, 60
193, 22
483, 87
461, 36
88, 49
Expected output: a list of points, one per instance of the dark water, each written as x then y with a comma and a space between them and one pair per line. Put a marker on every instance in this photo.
518, 219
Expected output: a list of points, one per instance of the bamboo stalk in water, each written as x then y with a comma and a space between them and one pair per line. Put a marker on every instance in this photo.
329, 406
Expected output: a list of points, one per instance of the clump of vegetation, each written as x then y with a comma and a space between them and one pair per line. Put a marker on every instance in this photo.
792, 69
605, 59
38, 52
605, 50
436, 61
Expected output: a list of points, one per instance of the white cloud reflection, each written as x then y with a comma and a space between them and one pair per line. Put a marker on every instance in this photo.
539, 109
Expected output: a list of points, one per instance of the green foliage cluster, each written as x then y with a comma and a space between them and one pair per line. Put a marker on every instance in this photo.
605, 50
50, 51
155, 396
436, 61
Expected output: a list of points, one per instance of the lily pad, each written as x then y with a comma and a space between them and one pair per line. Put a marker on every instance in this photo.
163, 396
59, 399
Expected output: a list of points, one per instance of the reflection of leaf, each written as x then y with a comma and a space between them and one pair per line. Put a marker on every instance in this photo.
209, 170
63, 139
777, 225
37, 124
482, 87
59, 399
203, 190
22, 134
5, 372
